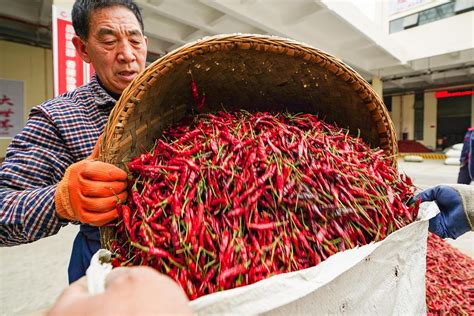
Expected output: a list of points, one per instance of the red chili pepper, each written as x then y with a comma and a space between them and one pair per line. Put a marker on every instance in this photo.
157, 214
125, 210
262, 226
194, 91
208, 276
209, 241
224, 242
224, 276
145, 234
200, 104
236, 212
154, 251
138, 203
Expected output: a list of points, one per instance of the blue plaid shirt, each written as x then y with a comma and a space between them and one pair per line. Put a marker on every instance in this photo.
58, 132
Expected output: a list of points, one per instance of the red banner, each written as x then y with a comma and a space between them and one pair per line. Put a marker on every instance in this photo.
70, 71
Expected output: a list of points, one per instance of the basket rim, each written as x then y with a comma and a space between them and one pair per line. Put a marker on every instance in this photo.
132, 95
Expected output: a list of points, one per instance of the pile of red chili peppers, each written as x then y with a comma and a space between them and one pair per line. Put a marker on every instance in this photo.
449, 279
228, 199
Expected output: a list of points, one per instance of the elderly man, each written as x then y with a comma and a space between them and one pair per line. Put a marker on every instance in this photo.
49, 177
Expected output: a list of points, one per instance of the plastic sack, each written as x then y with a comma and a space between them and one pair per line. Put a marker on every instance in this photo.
98, 269
382, 278
451, 153
457, 146
413, 158
452, 161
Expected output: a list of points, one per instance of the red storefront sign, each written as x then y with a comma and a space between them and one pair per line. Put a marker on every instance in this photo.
70, 71
448, 94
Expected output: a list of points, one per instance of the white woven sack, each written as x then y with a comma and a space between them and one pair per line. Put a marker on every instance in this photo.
457, 146
413, 158
383, 278
452, 161
451, 153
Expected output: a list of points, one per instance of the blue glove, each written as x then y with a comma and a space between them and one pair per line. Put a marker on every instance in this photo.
452, 220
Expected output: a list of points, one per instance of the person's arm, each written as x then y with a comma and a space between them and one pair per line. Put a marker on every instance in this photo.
34, 163
42, 187
456, 205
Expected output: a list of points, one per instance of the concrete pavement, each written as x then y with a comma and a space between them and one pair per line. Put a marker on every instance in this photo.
429, 172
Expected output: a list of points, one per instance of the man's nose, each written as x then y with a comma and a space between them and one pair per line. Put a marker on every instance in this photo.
126, 53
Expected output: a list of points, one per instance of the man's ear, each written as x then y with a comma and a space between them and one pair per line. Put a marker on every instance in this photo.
81, 48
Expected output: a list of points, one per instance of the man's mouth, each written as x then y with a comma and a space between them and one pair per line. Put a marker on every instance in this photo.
127, 75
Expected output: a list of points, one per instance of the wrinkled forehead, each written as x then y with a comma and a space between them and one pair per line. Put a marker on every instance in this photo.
103, 21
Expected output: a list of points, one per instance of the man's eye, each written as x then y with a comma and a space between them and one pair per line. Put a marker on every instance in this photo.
109, 42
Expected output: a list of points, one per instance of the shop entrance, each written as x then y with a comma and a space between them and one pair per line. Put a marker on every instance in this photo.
454, 118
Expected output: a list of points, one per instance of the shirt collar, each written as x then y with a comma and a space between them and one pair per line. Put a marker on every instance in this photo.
101, 97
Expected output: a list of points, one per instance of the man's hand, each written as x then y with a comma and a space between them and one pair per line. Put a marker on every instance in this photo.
90, 190
128, 291
452, 220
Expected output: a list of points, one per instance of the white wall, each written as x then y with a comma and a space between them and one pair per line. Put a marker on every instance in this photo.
32, 65
403, 115
64, 3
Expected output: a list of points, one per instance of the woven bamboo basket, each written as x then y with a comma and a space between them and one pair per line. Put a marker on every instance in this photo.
244, 71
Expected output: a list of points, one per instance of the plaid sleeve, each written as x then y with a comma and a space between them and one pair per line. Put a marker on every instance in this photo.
35, 161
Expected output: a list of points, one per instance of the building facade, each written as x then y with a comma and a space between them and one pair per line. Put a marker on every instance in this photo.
418, 54
433, 103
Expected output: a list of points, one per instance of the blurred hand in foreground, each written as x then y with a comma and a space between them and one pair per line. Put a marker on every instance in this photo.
128, 291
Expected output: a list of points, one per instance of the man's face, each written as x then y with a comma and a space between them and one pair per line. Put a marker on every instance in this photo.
115, 46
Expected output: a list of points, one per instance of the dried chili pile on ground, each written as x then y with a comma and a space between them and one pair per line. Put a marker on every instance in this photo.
449, 279
228, 199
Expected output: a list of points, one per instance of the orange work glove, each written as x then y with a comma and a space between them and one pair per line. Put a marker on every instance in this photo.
90, 190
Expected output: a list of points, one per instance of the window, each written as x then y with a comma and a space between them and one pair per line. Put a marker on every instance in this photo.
437, 13
430, 15
396, 26
410, 21
463, 6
